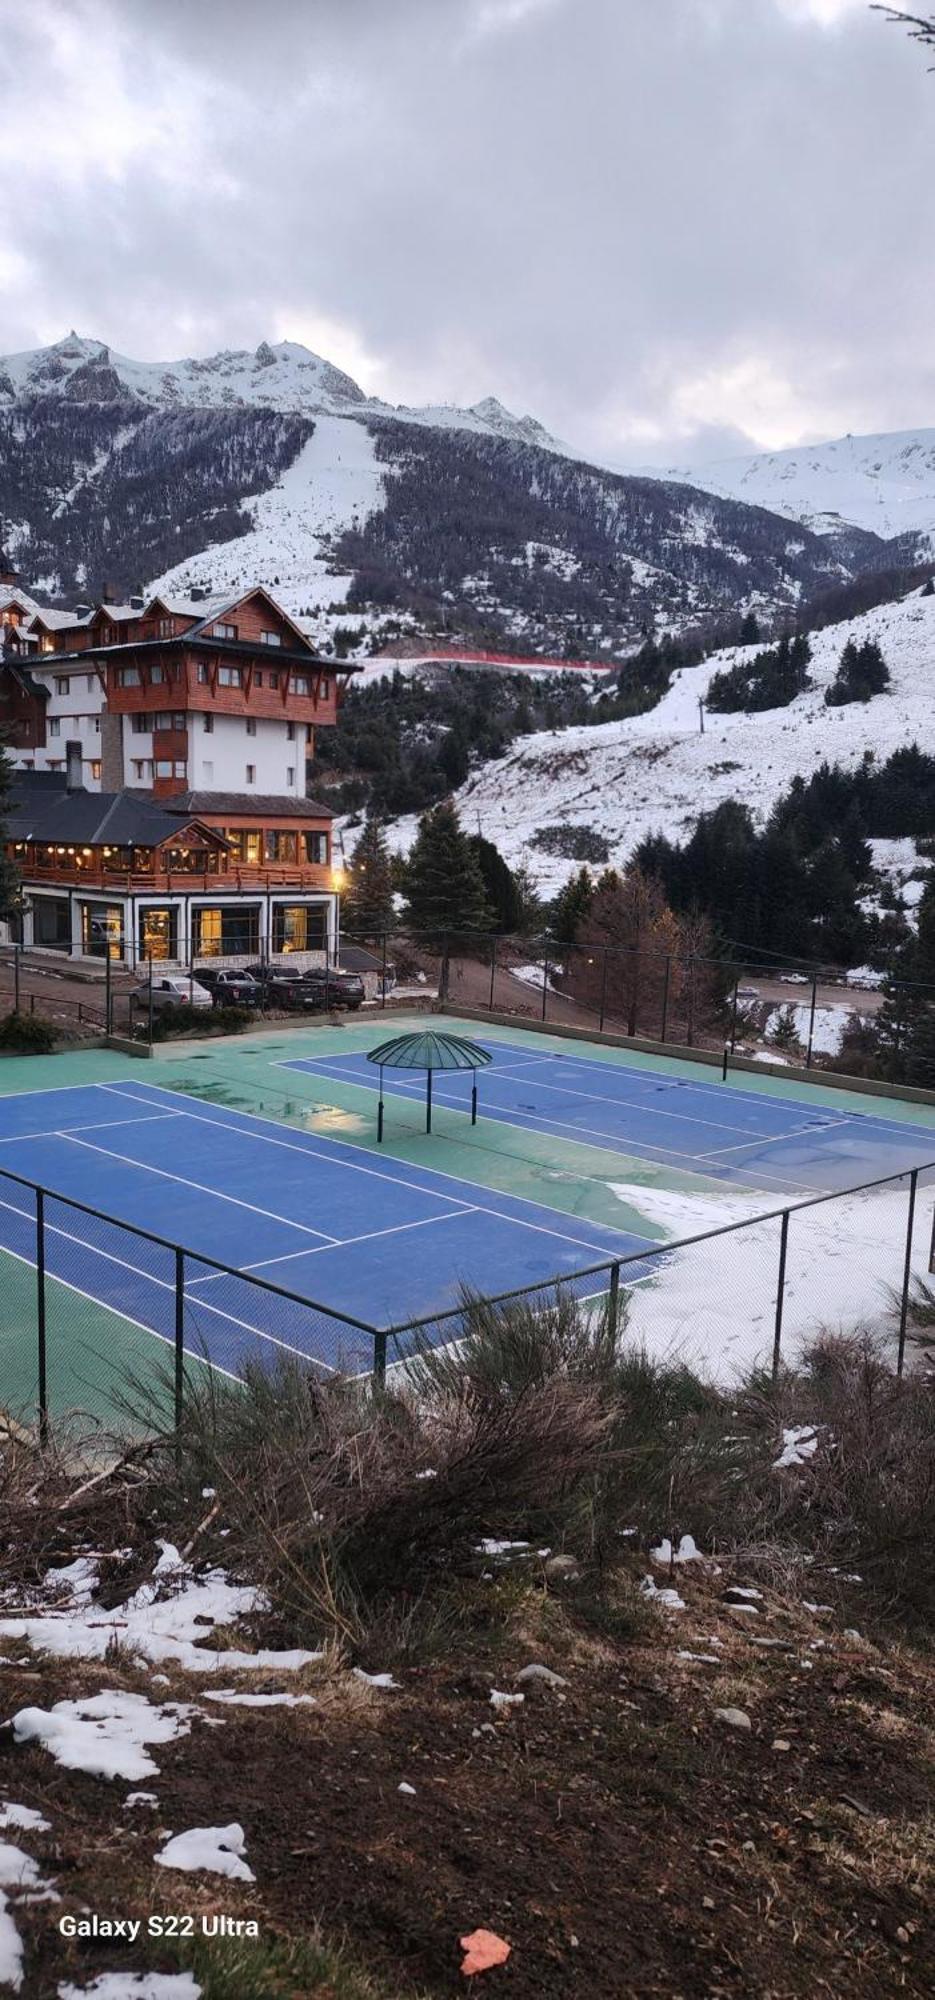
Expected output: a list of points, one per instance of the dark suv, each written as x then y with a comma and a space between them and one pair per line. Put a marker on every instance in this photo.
334, 988
307, 992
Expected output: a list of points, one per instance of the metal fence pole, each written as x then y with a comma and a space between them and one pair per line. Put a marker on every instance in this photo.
665, 998
811, 1024
150, 999
383, 976
780, 1291
179, 1335
733, 1015
379, 1360
493, 973
16, 952
40, 1319
600, 1029
907, 1271
545, 984
613, 1303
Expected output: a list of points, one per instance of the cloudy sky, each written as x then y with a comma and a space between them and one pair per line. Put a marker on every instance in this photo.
663, 226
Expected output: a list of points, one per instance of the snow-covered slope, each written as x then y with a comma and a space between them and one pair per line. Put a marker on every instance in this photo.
884, 484
657, 772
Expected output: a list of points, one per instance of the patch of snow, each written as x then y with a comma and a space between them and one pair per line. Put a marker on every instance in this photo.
140, 1799
24, 1817
500, 1700
104, 1735
11, 1948
376, 1680
799, 1442
668, 1599
687, 1551
492, 1548
237, 1700
212, 1850
135, 1986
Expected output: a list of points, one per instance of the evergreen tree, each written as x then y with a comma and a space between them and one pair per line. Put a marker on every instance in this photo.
444, 884
783, 1033
750, 630
502, 890
863, 672
571, 906
928, 589
368, 898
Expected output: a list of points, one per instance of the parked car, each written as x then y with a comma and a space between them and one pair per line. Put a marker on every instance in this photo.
228, 988
172, 989
283, 988
335, 988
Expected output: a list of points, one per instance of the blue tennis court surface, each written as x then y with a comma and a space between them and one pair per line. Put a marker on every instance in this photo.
356, 1234
717, 1130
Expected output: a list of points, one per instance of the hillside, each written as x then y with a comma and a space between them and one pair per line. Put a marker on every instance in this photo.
883, 485
274, 466
656, 772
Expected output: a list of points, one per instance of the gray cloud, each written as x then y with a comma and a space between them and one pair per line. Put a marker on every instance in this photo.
661, 225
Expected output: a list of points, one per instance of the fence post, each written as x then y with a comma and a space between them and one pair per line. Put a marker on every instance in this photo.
613, 1303
665, 998
150, 999
179, 1335
545, 984
16, 952
383, 977
603, 993
811, 1024
780, 1291
379, 1360
907, 1271
493, 973
733, 1015
108, 1003
40, 1318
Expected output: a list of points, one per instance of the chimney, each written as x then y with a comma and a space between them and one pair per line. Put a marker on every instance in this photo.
138, 597
199, 592
73, 768
108, 593
83, 610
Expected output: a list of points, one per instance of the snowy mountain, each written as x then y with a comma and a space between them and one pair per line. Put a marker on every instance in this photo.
273, 466
656, 773
884, 485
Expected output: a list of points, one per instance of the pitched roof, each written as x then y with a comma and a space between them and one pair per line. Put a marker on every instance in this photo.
264, 804
93, 819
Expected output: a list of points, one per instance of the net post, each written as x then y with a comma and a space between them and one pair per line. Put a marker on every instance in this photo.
907, 1273
42, 1356
380, 1111
727, 1056
428, 1100
780, 1293
179, 1336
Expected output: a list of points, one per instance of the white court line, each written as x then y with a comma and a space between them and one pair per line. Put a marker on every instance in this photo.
182, 1180
582, 1135
397, 1229
164, 1285
356, 1167
104, 1125
778, 1139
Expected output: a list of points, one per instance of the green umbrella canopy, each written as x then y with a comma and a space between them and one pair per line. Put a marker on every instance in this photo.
428, 1051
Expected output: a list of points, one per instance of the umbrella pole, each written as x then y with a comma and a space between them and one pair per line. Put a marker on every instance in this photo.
428, 1100
380, 1111
474, 1100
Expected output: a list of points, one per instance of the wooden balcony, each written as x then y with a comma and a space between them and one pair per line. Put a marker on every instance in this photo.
233, 880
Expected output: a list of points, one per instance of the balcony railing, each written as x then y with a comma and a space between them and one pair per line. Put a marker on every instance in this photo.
242, 875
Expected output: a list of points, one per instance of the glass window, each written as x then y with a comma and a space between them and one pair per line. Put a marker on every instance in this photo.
203, 675
101, 930
55, 727
142, 767
141, 725
61, 683
326, 689
300, 684
281, 844
316, 848
290, 774
298, 927
251, 774
290, 732
230, 677
157, 674
96, 770
128, 677
163, 767
208, 724
272, 680
251, 726
224, 631
226, 933
92, 683
158, 933
258, 678
270, 639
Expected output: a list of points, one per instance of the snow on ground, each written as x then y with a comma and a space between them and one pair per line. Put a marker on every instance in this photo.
235, 1699
828, 1026
884, 483
655, 773
713, 1303
335, 482
24, 1817
135, 1986
161, 1621
11, 1948
214, 1850
106, 1735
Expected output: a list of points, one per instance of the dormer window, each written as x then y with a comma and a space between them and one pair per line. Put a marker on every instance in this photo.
270, 638
224, 631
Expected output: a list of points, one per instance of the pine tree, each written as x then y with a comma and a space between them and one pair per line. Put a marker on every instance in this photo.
368, 899
571, 906
750, 630
501, 889
444, 885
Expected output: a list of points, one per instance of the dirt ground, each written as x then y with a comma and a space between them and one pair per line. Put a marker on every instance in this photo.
621, 1838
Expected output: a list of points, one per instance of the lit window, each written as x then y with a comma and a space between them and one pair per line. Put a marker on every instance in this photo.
251, 774
96, 770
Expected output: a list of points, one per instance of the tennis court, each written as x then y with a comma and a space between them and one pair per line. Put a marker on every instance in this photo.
264, 1159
